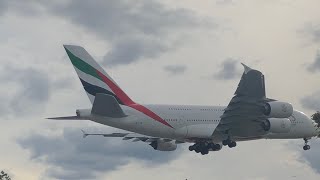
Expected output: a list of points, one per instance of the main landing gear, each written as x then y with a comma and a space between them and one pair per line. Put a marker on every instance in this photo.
203, 147
229, 142
306, 146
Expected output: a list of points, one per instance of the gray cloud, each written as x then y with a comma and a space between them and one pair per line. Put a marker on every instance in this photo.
228, 70
315, 66
62, 83
114, 19
175, 69
311, 102
69, 156
310, 157
131, 50
135, 29
30, 90
27, 90
3, 6
311, 31
29, 8
33, 92
224, 2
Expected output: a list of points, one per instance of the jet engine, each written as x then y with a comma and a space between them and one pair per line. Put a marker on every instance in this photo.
162, 145
277, 125
278, 109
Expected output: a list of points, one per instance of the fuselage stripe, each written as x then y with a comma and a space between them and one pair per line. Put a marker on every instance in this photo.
127, 101
93, 90
149, 113
120, 94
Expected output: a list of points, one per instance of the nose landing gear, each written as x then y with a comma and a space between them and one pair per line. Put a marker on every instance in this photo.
306, 146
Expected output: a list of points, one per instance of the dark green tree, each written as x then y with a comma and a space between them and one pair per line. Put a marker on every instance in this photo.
316, 118
4, 176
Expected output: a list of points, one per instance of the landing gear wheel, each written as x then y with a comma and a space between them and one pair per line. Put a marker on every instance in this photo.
217, 147
211, 146
225, 142
233, 144
204, 151
197, 148
306, 147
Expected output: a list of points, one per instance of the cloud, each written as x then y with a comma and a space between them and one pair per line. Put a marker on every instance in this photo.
175, 69
311, 102
131, 50
315, 66
27, 90
33, 92
224, 2
3, 7
311, 31
310, 157
135, 30
29, 8
228, 70
114, 19
69, 156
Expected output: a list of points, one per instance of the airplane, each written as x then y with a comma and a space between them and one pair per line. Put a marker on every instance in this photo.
250, 115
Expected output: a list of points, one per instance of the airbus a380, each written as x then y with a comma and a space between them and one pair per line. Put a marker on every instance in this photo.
250, 115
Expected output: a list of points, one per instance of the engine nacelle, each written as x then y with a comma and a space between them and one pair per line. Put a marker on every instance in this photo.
162, 145
277, 125
278, 109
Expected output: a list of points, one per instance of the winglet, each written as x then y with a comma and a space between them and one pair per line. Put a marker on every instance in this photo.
84, 134
246, 68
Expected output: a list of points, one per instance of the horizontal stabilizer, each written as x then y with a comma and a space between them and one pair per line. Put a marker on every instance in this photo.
105, 135
66, 118
107, 105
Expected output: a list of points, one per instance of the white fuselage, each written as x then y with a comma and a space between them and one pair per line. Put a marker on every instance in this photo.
195, 122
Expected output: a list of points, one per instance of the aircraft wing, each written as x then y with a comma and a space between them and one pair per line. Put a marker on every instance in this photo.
135, 137
244, 113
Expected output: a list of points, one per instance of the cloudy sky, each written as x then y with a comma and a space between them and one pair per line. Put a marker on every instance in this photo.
188, 52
